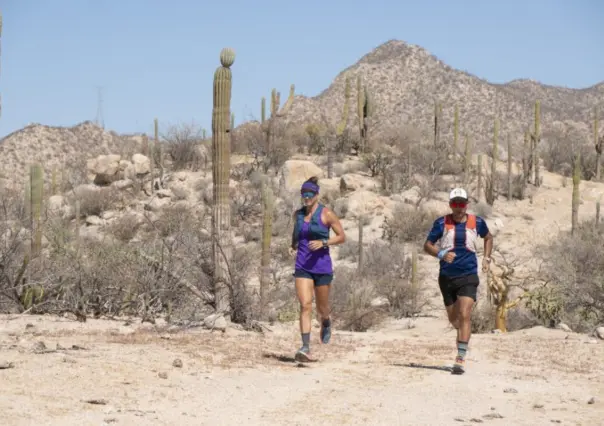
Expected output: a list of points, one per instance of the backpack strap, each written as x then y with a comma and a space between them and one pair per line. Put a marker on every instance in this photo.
471, 222
449, 222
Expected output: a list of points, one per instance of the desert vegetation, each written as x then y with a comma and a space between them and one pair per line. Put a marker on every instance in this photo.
188, 227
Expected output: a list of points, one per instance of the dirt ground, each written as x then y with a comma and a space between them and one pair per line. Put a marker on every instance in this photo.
61, 372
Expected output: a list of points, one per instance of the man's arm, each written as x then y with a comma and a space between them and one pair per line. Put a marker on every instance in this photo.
485, 234
433, 236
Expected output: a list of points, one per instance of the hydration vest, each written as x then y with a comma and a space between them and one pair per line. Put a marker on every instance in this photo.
317, 230
448, 238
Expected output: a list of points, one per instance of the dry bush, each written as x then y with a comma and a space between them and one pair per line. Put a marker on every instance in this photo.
125, 227
183, 144
389, 268
352, 295
408, 224
359, 295
574, 268
94, 201
560, 146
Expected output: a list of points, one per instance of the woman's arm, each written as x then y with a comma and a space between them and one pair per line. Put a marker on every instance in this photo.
334, 222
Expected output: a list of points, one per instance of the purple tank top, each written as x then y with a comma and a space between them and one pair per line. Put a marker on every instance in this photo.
316, 262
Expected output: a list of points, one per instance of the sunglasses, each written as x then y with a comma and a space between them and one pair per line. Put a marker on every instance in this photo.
458, 204
308, 194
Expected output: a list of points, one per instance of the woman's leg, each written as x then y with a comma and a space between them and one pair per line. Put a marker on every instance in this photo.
304, 287
323, 307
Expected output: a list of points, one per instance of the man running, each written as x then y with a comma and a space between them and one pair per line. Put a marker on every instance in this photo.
458, 278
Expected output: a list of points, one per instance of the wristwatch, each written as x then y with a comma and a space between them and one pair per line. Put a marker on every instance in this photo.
324, 243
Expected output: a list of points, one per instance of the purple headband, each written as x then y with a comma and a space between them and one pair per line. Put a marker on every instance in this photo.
310, 186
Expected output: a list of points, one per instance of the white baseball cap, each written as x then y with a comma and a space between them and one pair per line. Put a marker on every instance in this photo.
458, 193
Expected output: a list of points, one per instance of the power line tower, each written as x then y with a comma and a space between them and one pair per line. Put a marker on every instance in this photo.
100, 121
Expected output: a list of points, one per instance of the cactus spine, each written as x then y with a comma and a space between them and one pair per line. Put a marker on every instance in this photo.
509, 168
221, 167
599, 145
267, 232
36, 187
575, 200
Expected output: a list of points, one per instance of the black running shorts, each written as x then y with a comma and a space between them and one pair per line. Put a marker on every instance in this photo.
453, 287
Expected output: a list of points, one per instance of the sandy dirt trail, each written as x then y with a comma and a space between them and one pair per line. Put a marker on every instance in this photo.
111, 372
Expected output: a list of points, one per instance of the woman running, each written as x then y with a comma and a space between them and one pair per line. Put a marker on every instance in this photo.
313, 268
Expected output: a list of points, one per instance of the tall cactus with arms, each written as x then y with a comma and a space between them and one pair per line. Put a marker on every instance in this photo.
221, 167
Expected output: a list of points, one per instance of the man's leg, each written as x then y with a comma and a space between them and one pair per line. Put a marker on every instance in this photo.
449, 299
304, 292
322, 287
466, 297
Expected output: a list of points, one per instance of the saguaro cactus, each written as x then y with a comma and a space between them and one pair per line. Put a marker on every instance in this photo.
510, 195
262, 110
456, 130
492, 181
221, 167
360, 242
344, 120
267, 231
535, 139
467, 158
364, 111
438, 111
479, 178
36, 187
576, 195
599, 145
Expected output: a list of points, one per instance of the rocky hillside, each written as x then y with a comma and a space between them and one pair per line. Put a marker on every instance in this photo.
60, 148
405, 80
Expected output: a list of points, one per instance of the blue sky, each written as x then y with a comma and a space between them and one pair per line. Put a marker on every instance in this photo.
156, 58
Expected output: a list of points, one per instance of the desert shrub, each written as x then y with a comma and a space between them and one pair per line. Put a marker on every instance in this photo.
389, 267
124, 228
184, 146
363, 298
560, 144
574, 268
408, 224
96, 201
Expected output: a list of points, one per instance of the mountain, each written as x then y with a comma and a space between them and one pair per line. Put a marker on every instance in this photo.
62, 148
405, 80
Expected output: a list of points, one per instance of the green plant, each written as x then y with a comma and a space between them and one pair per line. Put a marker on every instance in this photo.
576, 196
221, 166
267, 232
